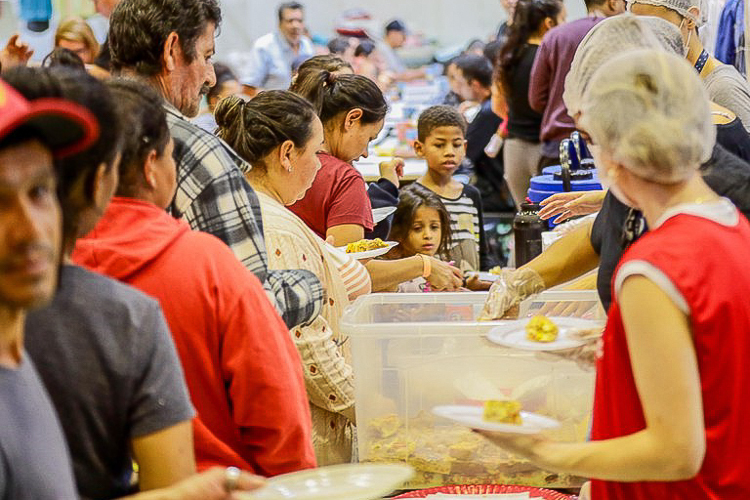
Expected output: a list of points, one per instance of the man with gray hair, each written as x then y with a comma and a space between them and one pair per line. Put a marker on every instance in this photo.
169, 44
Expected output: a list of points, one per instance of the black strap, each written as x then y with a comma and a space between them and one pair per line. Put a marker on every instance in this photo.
701, 62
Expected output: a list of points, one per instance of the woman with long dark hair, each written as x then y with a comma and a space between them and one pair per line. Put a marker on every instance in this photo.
522, 150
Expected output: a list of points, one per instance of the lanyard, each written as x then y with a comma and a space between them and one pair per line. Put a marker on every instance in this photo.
701, 62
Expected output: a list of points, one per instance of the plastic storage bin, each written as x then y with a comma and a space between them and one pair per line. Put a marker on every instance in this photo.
412, 352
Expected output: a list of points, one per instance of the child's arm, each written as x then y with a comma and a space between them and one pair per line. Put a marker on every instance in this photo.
475, 284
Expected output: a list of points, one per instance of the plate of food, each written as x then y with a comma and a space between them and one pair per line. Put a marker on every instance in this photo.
543, 334
337, 482
380, 214
497, 416
368, 249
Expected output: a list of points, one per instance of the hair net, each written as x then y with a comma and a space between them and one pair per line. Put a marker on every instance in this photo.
649, 111
679, 6
612, 37
668, 34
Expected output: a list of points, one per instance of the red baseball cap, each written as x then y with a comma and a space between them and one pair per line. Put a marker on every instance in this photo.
65, 127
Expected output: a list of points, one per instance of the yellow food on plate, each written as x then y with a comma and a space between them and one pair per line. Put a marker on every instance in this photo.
541, 329
497, 270
502, 412
365, 245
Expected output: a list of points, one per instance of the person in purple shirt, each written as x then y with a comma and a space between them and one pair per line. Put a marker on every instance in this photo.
550, 69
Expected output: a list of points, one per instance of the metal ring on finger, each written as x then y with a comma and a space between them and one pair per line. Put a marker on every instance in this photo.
231, 478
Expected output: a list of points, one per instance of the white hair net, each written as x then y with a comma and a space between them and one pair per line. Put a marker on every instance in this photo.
649, 111
679, 6
668, 34
612, 37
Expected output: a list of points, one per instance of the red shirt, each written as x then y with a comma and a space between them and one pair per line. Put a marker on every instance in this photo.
338, 196
707, 262
241, 366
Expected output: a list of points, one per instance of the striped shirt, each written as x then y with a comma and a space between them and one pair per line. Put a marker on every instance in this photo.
468, 250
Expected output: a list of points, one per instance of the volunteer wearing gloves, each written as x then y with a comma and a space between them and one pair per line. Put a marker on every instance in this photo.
670, 409
602, 241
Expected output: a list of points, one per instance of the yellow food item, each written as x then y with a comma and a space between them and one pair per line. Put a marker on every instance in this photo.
541, 329
503, 412
385, 426
497, 270
452, 454
365, 245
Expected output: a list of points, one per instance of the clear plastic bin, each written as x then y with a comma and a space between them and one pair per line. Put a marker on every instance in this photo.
412, 352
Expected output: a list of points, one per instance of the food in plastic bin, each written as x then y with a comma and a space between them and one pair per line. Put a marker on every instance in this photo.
541, 329
451, 454
503, 412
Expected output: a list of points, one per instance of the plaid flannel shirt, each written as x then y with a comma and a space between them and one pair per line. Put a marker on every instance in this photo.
214, 197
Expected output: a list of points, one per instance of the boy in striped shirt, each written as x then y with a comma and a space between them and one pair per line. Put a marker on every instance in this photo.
441, 141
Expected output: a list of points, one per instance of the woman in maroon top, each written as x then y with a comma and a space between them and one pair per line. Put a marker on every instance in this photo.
352, 109
671, 406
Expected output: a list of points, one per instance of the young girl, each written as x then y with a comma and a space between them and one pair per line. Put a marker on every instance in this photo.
421, 225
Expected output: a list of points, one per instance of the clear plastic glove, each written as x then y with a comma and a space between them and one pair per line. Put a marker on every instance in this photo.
392, 170
444, 277
572, 204
511, 287
586, 355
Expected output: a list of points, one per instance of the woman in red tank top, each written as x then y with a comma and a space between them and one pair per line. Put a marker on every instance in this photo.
671, 404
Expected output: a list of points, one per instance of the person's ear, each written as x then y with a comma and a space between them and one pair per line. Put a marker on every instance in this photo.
149, 170
476, 87
549, 23
696, 12
169, 54
419, 149
102, 189
286, 150
352, 117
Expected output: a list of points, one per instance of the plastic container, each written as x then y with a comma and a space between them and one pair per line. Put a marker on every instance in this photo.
412, 352
527, 233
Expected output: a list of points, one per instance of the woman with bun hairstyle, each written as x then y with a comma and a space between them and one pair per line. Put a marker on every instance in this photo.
352, 110
279, 133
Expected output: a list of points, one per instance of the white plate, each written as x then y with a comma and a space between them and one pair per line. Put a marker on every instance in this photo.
513, 334
471, 416
371, 254
484, 276
338, 482
380, 214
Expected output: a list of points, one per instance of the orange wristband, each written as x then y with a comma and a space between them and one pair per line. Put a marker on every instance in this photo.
426, 266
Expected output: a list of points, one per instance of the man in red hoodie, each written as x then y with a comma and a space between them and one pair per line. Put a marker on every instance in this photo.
241, 366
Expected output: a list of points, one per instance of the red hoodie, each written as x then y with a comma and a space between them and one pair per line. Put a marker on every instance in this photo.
242, 368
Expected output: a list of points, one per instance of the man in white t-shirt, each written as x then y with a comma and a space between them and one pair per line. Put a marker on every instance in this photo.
269, 64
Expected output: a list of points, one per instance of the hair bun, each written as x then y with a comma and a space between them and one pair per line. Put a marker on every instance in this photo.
329, 78
228, 111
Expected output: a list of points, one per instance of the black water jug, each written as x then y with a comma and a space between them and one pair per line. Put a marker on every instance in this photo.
527, 233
